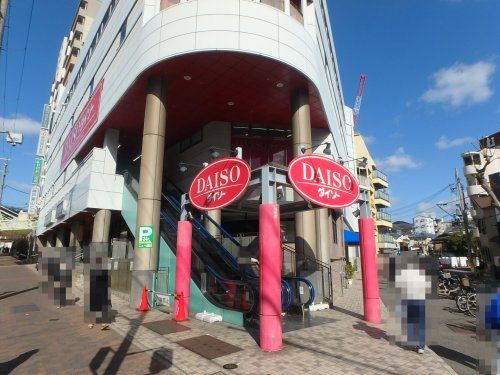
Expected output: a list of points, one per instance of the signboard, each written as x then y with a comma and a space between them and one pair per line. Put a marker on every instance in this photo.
219, 184
46, 117
42, 142
37, 170
83, 125
323, 181
146, 237
35, 191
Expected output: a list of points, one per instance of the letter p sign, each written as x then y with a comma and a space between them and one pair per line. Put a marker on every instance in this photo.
145, 238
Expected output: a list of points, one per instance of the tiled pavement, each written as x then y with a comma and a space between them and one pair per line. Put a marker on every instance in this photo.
37, 338
340, 344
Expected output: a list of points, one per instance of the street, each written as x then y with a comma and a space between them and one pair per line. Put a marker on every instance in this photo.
38, 338
451, 334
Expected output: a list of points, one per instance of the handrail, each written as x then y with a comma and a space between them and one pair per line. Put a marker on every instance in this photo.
310, 286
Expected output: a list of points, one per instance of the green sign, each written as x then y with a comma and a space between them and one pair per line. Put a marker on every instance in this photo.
37, 170
146, 236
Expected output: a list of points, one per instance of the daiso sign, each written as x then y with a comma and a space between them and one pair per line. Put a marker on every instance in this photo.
219, 184
323, 181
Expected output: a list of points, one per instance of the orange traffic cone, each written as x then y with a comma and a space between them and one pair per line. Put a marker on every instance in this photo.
144, 300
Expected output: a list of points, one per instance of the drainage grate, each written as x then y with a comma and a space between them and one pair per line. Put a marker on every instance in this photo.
230, 366
24, 308
164, 327
208, 346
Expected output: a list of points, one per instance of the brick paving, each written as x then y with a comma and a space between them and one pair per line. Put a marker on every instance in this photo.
56, 341
329, 342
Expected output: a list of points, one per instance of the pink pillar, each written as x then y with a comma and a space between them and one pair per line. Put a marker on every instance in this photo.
270, 277
371, 293
182, 270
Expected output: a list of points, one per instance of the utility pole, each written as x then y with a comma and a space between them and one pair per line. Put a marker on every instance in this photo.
4, 175
463, 210
4, 6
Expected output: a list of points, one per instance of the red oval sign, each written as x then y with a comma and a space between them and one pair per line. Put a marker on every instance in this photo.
323, 181
219, 184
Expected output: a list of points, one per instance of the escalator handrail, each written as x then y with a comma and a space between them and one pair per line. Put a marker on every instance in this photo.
310, 286
228, 257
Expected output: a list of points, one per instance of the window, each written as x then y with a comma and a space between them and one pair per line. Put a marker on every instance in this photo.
80, 20
78, 35
188, 142
123, 32
335, 233
83, 4
91, 87
75, 51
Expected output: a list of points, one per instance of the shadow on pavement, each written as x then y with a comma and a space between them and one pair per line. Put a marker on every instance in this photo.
455, 356
9, 366
373, 332
12, 294
348, 312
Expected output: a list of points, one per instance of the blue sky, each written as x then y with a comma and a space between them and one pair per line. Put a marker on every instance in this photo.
432, 85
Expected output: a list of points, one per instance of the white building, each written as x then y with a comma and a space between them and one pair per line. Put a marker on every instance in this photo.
424, 224
484, 214
161, 83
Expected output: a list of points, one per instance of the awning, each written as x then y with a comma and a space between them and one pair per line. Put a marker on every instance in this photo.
351, 237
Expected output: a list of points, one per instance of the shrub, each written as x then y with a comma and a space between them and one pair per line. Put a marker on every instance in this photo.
349, 270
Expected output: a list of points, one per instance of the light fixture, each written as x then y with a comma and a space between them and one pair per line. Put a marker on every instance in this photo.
214, 153
136, 158
187, 78
280, 84
362, 162
356, 213
238, 152
230, 104
183, 167
327, 150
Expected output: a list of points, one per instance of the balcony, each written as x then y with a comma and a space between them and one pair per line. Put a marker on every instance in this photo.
382, 198
364, 181
383, 219
385, 237
379, 179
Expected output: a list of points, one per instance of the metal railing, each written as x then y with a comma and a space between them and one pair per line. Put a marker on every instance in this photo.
363, 180
383, 216
378, 174
382, 195
385, 237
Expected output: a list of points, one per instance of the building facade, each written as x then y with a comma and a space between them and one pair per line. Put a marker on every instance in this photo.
486, 217
424, 224
376, 184
161, 87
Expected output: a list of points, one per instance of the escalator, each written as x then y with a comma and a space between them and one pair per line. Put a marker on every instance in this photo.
220, 286
292, 289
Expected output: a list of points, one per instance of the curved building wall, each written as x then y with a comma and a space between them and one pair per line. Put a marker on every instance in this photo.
152, 36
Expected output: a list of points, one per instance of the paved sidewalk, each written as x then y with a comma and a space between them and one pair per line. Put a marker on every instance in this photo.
37, 338
330, 342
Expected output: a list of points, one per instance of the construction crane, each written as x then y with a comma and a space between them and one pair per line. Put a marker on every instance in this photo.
359, 97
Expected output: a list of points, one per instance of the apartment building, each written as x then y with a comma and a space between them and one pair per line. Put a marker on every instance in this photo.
424, 224
376, 183
483, 211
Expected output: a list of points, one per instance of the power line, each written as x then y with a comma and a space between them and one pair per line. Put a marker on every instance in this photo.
20, 191
413, 205
23, 63
7, 26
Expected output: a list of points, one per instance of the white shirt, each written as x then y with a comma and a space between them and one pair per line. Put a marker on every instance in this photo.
412, 283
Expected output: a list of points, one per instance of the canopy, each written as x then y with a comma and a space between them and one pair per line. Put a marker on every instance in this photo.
351, 237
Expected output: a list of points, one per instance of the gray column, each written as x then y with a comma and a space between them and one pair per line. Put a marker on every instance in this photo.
102, 223
150, 185
62, 236
74, 234
50, 236
305, 223
324, 238
215, 215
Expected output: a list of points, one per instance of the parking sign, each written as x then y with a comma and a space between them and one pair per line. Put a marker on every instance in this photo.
146, 236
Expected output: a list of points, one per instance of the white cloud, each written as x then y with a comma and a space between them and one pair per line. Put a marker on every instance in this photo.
444, 142
461, 84
20, 185
22, 124
397, 161
369, 139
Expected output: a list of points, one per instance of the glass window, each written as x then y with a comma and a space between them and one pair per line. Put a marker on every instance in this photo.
123, 32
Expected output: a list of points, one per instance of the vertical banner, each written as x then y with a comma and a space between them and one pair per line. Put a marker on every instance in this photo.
35, 191
37, 172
